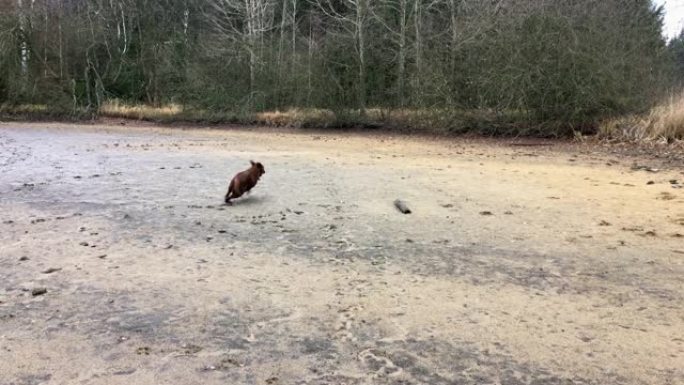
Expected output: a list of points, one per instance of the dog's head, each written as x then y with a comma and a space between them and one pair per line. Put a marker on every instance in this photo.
258, 167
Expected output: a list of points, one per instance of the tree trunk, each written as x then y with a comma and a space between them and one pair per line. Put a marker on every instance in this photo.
361, 16
281, 43
45, 40
401, 75
453, 8
417, 20
309, 63
23, 44
293, 64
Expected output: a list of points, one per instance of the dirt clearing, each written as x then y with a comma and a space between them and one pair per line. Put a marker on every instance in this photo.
119, 264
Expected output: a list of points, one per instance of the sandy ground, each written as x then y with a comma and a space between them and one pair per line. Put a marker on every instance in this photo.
518, 265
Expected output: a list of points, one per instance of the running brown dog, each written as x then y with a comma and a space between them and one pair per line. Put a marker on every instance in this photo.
244, 181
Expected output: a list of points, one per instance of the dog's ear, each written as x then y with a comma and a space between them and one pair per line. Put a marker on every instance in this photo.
252, 163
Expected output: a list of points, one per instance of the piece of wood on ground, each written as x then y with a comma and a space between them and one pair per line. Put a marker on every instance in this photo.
401, 206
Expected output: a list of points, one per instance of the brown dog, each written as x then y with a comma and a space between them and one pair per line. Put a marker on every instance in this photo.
244, 181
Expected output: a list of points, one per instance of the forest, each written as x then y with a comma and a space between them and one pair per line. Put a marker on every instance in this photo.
497, 67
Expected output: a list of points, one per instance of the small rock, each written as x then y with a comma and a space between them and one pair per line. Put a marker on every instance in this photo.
143, 350
38, 291
51, 270
666, 196
508, 213
586, 339
24, 258
650, 182
604, 223
486, 213
83, 243
103, 256
674, 181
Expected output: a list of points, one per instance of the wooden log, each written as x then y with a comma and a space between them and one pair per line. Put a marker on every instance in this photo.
401, 206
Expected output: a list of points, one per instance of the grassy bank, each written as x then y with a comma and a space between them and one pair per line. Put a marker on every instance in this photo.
434, 121
664, 122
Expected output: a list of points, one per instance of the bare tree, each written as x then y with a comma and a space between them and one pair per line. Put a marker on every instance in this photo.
354, 24
394, 16
24, 25
244, 23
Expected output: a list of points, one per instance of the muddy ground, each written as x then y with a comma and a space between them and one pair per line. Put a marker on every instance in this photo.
519, 264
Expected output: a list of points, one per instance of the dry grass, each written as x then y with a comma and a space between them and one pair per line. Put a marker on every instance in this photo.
663, 122
297, 117
115, 109
168, 113
441, 121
